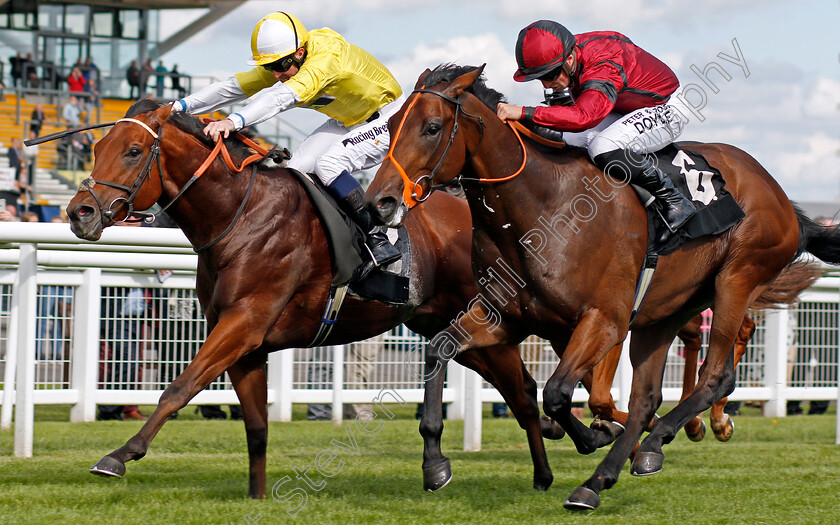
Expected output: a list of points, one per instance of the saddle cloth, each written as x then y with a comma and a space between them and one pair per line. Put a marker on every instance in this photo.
346, 240
717, 209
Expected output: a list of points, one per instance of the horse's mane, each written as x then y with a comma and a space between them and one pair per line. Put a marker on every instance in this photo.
449, 72
191, 125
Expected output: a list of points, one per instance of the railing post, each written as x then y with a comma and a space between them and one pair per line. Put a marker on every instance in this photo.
280, 376
85, 351
25, 385
625, 377
11, 358
338, 384
776, 336
456, 380
472, 411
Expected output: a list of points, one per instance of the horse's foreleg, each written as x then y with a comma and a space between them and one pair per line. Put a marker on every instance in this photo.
249, 380
722, 424
232, 338
502, 366
591, 340
648, 352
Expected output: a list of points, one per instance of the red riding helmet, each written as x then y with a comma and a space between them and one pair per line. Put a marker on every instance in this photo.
541, 47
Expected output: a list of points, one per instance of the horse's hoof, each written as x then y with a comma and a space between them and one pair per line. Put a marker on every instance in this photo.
610, 430
728, 429
582, 499
647, 463
437, 477
699, 435
109, 467
543, 484
550, 429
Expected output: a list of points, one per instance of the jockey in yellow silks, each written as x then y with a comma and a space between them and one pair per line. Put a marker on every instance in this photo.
320, 70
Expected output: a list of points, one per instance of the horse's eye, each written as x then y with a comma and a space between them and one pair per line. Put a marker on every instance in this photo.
432, 130
133, 153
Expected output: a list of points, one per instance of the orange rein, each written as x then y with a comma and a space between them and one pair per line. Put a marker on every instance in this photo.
220, 147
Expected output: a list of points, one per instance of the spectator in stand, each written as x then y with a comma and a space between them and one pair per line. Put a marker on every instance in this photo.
29, 216
37, 119
16, 72
90, 71
30, 156
8, 213
70, 152
133, 78
72, 112
76, 83
16, 159
176, 82
146, 75
161, 79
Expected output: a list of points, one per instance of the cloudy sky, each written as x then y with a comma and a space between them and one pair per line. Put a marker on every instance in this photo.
783, 107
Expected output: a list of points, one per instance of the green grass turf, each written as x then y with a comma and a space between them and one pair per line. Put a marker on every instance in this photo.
772, 471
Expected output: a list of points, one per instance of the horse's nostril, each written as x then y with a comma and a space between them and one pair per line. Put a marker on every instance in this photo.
386, 205
83, 212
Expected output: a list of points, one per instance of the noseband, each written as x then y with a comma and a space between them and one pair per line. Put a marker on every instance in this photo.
415, 194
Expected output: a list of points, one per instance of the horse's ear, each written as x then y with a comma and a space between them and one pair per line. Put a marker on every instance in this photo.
422, 78
462, 83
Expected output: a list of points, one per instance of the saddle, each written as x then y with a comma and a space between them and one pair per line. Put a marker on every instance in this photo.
346, 240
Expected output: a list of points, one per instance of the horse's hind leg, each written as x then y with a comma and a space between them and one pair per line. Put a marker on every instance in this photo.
722, 424
717, 376
249, 380
692, 342
601, 402
503, 367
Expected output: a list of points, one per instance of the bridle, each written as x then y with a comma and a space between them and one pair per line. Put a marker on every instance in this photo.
413, 192
107, 215
152, 159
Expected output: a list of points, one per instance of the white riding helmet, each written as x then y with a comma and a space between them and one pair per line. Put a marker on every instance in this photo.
276, 35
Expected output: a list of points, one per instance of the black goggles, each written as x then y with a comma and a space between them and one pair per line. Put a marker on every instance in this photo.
282, 65
552, 74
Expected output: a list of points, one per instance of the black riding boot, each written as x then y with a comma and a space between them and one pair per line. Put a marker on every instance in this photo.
382, 252
676, 208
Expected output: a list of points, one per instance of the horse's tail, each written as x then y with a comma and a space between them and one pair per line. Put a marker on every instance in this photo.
786, 287
818, 240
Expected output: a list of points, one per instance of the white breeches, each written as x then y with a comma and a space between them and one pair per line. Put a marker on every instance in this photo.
333, 148
645, 130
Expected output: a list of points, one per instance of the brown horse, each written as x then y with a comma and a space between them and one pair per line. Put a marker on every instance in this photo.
263, 286
556, 252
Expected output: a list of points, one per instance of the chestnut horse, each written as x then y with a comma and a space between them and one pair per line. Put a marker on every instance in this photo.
263, 286
578, 293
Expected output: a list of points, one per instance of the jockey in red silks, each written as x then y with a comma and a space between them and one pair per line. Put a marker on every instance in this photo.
609, 96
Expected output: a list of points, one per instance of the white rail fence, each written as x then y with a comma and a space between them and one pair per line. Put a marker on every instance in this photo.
84, 323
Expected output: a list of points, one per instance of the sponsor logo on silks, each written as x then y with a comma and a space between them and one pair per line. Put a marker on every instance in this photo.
319, 102
649, 118
369, 134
